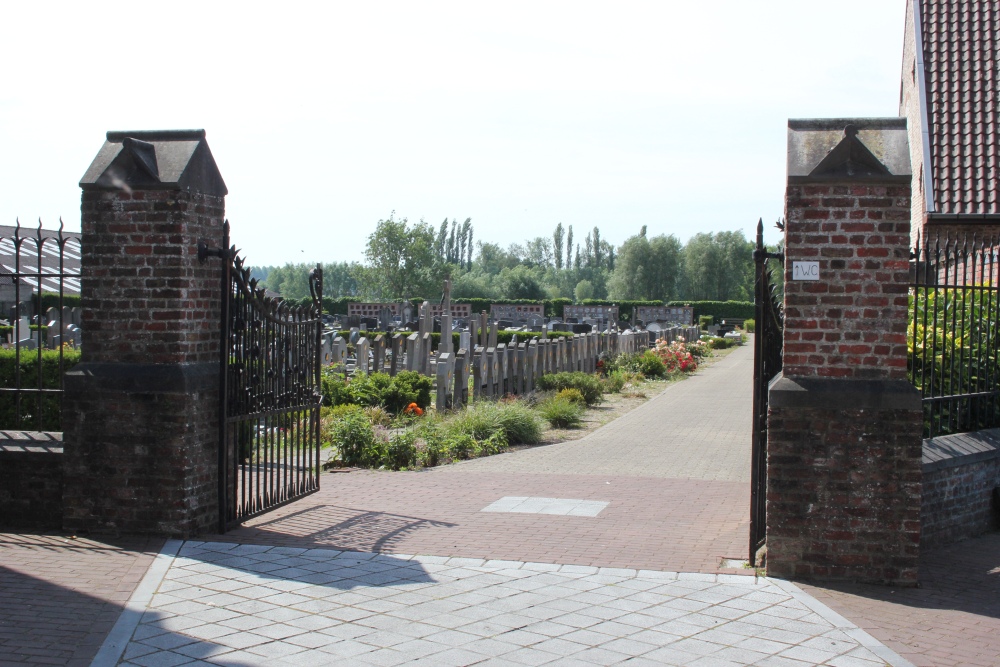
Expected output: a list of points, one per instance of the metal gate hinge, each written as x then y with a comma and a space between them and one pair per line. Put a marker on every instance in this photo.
204, 252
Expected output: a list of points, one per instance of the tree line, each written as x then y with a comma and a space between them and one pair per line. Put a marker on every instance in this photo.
404, 259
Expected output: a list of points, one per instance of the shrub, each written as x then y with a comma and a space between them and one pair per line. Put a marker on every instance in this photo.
378, 415
462, 446
573, 395
334, 389
705, 321
401, 451
378, 389
433, 453
355, 437
676, 357
561, 412
50, 416
720, 343
749, 325
587, 384
514, 420
651, 366
613, 381
417, 389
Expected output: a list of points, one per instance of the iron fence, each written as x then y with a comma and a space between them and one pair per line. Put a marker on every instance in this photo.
953, 332
40, 331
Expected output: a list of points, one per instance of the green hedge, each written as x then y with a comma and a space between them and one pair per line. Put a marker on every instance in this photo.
51, 406
51, 300
6, 330
719, 310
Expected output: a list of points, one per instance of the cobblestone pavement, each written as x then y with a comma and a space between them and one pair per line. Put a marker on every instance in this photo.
59, 596
229, 604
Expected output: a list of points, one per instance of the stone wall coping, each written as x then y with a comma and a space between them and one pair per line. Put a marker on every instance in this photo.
31, 442
849, 150
960, 449
842, 394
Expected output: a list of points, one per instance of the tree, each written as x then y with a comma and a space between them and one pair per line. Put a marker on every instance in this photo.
557, 245
646, 268
468, 264
401, 261
584, 290
493, 259
538, 252
569, 248
520, 282
439, 243
718, 267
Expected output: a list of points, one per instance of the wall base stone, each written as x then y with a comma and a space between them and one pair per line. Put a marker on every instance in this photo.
31, 481
147, 461
844, 480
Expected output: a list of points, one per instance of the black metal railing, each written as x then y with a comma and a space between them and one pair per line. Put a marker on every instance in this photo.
40, 339
768, 342
952, 337
270, 398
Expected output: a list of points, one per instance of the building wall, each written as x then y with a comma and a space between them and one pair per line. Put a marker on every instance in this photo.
909, 106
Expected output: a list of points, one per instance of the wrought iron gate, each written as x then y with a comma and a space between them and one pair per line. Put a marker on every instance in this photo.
270, 395
766, 364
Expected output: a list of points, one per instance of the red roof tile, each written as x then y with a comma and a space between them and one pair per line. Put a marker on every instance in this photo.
961, 44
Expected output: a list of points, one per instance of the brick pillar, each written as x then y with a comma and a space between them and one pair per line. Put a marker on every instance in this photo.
141, 409
844, 425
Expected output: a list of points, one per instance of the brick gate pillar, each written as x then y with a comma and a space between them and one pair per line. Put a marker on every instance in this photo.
141, 409
844, 425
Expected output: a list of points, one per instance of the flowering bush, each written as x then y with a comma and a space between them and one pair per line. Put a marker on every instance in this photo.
676, 357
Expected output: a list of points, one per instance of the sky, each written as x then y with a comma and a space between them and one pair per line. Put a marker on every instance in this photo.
325, 118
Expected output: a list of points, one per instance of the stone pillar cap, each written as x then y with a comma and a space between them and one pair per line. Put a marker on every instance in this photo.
848, 149
155, 160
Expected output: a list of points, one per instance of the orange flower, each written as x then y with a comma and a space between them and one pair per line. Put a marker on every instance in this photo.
413, 409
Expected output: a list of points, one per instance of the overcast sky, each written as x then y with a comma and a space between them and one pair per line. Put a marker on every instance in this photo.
326, 117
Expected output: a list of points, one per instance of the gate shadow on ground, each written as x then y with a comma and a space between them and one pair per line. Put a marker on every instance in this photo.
963, 577
336, 527
222, 592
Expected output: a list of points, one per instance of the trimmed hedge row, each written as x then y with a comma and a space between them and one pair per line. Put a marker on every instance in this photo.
51, 406
7, 330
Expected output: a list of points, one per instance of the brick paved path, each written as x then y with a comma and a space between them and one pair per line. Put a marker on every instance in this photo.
952, 620
59, 596
675, 472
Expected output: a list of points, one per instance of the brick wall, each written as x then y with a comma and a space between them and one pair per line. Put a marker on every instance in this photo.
960, 473
852, 322
843, 497
31, 485
844, 424
141, 410
152, 301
